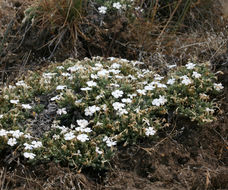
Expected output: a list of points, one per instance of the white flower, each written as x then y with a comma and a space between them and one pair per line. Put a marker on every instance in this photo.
29, 155
117, 93
91, 110
91, 83
109, 141
162, 100
3, 132
218, 87
119, 77
74, 68
26, 106
104, 107
63, 129
28, 146
102, 9
190, 66
96, 68
21, 83
99, 65
61, 87
208, 110
196, 75
137, 109
114, 71
1, 116
12, 141
137, 63
132, 77
138, 8
94, 76
56, 137
57, 97
16, 133
69, 136
79, 153
144, 82
98, 150
49, 75
99, 96
123, 60
83, 129
171, 81
66, 74
37, 144
115, 66
27, 136
118, 105
78, 101
14, 101
185, 80
158, 77
159, 85
143, 92
82, 123
150, 131
111, 58
126, 100
156, 102
122, 112
132, 95
149, 87
60, 67
102, 73
12, 87
61, 111
105, 139
82, 137
86, 130
86, 89
159, 101
117, 6
115, 85
55, 125
171, 66
145, 71
139, 75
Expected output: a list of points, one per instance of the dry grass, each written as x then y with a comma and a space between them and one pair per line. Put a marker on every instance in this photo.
60, 18
224, 4
56, 14
49, 177
188, 29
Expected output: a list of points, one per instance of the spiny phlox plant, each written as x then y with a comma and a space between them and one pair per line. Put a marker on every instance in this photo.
101, 104
114, 5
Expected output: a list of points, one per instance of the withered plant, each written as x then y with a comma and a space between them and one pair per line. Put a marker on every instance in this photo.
164, 21
60, 18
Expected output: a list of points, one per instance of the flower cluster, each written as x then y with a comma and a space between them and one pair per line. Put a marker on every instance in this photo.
99, 104
17, 137
113, 5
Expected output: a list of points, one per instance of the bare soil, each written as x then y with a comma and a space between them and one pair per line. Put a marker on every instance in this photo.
184, 156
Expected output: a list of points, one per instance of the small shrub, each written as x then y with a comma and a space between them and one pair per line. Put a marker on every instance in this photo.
98, 105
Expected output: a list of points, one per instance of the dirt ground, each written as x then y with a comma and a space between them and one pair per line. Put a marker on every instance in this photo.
185, 156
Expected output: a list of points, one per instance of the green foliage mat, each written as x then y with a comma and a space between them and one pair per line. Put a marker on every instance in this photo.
79, 112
